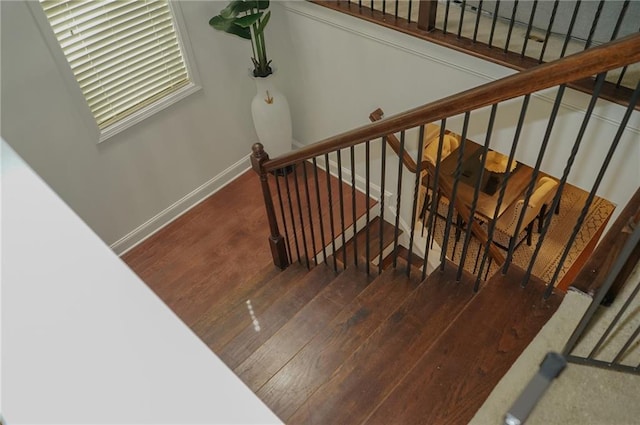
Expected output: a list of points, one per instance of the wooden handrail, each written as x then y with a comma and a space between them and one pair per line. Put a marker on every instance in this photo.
581, 65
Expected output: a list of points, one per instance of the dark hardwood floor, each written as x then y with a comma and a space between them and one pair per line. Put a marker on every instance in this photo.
322, 346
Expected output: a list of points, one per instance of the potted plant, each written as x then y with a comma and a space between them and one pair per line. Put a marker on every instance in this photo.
247, 19
270, 110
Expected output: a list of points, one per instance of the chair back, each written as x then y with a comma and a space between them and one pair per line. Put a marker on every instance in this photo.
449, 144
543, 193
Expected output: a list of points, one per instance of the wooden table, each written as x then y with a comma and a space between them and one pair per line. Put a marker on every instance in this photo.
490, 188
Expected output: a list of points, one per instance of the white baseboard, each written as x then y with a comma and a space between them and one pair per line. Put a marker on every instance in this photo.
374, 189
175, 210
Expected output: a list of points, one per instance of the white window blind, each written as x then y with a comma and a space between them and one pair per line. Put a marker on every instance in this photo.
125, 55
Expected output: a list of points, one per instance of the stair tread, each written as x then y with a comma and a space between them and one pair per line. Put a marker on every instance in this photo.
218, 327
222, 307
454, 377
388, 234
297, 332
315, 363
275, 315
403, 254
388, 355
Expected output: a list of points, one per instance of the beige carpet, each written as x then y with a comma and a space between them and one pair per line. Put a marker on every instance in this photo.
582, 395
571, 204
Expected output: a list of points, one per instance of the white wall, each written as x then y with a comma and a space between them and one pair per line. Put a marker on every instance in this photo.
334, 69
338, 69
125, 181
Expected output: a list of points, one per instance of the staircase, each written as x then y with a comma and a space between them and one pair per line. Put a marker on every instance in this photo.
328, 347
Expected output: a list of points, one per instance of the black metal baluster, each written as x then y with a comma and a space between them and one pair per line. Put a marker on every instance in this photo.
614, 144
476, 193
570, 29
493, 22
398, 199
627, 344
293, 221
462, 7
341, 196
359, 4
313, 233
433, 211
613, 324
383, 170
548, 34
511, 22
416, 191
529, 26
300, 214
353, 205
284, 220
475, 30
565, 175
333, 233
323, 243
624, 70
372, 7
534, 175
396, 14
446, 17
596, 18
503, 188
367, 171
621, 15
614, 271
409, 13
454, 191
384, 7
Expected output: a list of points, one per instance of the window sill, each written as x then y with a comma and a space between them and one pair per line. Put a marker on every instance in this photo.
150, 110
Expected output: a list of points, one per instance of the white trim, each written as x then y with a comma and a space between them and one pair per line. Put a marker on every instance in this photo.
178, 208
76, 93
398, 40
374, 189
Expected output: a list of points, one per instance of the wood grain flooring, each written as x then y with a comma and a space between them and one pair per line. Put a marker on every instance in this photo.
336, 347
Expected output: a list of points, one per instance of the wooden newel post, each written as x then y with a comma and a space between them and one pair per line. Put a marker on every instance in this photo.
276, 241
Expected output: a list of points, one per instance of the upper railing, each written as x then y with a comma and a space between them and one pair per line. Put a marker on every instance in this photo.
572, 68
445, 192
517, 34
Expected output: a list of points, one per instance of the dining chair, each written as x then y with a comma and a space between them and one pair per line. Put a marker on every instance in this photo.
542, 195
430, 153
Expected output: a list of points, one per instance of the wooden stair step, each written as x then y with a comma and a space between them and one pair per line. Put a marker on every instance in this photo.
455, 376
223, 306
221, 325
403, 253
316, 362
275, 315
365, 379
297, 332
360, 241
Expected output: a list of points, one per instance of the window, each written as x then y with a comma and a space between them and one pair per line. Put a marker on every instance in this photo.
126, 56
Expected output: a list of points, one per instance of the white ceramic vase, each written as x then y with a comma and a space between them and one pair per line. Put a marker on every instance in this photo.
271, 117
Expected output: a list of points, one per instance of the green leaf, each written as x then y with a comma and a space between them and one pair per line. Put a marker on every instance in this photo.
229, 26
263, 23
233, 8
248, 20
